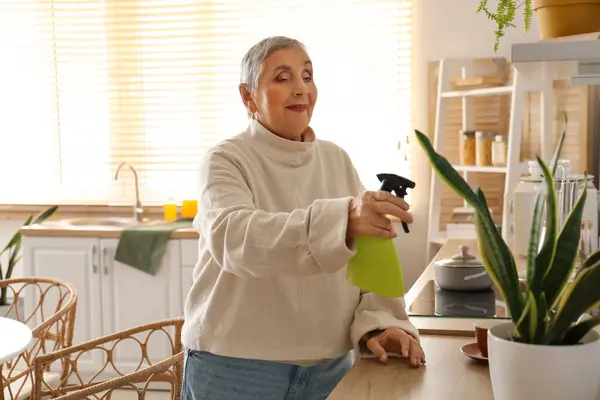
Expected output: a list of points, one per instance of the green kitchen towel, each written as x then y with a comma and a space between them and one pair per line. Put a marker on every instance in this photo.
143, 247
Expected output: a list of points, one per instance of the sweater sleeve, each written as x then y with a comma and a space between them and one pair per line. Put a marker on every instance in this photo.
246, 241
379, 312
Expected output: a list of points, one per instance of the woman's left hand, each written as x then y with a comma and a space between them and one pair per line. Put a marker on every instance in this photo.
395, 340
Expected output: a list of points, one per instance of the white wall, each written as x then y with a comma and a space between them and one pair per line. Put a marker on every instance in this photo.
443, 28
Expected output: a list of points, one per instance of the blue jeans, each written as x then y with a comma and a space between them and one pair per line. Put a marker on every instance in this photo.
211, 377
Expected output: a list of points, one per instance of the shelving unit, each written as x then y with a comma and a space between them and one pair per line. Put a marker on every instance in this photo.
450, 68
535, 67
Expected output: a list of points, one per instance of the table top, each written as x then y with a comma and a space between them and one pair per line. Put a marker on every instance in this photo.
14, 338
448, 374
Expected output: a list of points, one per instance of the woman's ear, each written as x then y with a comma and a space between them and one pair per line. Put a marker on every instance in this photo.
247, 98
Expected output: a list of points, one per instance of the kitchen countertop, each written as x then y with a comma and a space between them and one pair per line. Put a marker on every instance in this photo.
56, 229
447, 374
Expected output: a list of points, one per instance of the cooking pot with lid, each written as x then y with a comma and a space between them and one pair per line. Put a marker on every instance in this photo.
462, 272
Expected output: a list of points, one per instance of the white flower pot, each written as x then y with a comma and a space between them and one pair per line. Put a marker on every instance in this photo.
533, 372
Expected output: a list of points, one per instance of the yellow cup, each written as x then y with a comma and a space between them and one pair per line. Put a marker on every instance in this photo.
189, 208
170, 210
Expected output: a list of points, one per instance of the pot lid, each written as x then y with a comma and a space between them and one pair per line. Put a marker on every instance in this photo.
464, 259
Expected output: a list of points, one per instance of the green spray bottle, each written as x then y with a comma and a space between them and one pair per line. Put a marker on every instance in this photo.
375, 267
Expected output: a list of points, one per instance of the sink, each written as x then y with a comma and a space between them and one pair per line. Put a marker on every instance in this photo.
101, 221
109, 223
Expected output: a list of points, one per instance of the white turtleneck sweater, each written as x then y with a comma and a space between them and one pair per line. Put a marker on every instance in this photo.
270, 282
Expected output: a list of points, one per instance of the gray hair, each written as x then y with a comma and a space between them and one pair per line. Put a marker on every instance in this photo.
253, 59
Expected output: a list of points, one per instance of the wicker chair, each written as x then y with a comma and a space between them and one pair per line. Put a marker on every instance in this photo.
51, 318
75, 386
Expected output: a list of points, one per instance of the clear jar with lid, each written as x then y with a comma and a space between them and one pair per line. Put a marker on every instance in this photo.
467, 147
483, 148
499, 151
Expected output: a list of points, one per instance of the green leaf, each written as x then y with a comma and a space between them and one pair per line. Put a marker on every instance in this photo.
447, 172
1, 277
11, 266
13, 260
538, 264
536, 222
533, 317
522, 320
579, 330
559, 145
591, 260
580, 296
16, 238
567, 247
545, 257
496, 255
542, 318
45, 215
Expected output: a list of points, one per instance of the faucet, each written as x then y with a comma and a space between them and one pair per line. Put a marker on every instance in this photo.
138, 211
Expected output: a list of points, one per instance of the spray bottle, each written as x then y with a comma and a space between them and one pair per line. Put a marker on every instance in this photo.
375, 267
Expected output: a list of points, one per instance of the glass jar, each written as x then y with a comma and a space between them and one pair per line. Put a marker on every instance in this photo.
467, 147
483, 148
499, 151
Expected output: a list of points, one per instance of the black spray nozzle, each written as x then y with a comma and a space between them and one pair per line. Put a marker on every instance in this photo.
398, 185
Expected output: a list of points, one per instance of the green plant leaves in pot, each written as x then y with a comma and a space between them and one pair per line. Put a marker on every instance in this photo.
546, 312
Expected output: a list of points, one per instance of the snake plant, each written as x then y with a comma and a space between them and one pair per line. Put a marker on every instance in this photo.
546, 311
13, 248
504, 15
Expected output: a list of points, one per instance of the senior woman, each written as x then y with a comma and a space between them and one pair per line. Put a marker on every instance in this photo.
270, 315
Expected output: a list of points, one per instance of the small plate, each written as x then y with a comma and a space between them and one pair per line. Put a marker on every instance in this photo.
471, 350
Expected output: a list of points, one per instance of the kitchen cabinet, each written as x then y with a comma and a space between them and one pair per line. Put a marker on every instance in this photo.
74, 260
111, 296
131, 297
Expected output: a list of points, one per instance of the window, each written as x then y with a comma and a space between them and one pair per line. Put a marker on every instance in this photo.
88, 84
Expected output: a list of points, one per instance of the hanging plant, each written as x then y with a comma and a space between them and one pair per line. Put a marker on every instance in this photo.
505, 14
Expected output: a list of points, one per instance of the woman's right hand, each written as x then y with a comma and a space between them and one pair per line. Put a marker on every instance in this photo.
367, 214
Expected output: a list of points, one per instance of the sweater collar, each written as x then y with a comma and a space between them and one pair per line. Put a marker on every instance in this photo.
287, 151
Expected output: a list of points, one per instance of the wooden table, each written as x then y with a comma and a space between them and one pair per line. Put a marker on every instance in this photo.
448, 374
14, 338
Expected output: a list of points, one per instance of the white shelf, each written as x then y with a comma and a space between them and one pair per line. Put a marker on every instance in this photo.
576, 48
573, 57
475, 168
478, 92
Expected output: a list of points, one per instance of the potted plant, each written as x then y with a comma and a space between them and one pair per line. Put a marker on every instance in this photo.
556, 18
13, 249
545, 351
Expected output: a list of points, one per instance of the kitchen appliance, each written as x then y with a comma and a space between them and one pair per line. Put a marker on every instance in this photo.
452, 303
568, 189
462, 272
433, 301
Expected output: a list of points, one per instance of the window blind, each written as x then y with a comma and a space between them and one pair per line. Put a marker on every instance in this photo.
88, 84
